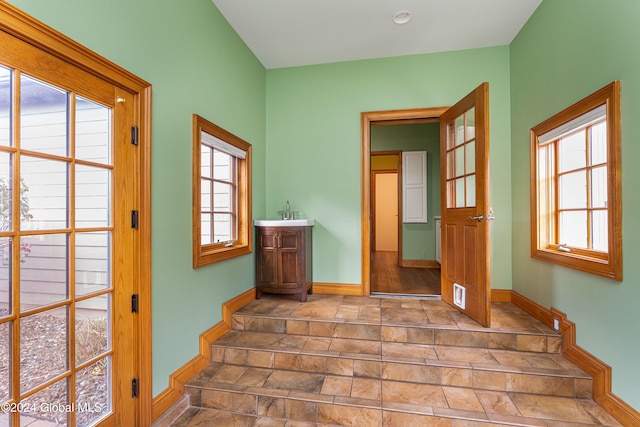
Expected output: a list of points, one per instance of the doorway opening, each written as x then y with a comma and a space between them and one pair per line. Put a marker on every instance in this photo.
408, 268
464, 198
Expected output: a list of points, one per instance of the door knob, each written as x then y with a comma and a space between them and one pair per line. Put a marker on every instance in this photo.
478, 218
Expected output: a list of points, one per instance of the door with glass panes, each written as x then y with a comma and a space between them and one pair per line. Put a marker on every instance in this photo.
67, 176
465, 206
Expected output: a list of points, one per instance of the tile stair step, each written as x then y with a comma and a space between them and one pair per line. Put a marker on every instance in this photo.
500, 370
261, 396
544, 340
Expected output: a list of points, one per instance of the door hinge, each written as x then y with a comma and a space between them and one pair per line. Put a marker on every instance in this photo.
134, 135
134, 219
134, 303
135, 387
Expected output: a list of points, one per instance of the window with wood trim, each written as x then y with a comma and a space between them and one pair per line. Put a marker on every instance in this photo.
221, 194
576, 206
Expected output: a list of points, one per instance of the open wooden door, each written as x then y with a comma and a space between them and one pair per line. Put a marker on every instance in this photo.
464, 181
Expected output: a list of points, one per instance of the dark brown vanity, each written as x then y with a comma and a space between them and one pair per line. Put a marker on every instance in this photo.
283, 257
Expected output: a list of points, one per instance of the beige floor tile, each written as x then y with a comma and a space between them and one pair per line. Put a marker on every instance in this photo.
367, 368
554, 386
401, 419
269, 422
357, 331
254, 377
413, 351
287, 380
301, 362
301, 410
369, 314
270, 406
413, 373
349, 416
356, 347
393, 334
337, 386
459, 377
229, 374
339, 366
461, 338
466, 354
366, 389
317, 344
348, 312
497, 402
221, 419
554, 408
297, 327
463, 399
489, 380
406, 316
417, 394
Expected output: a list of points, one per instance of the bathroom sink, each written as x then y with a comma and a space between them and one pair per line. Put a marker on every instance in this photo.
284, 222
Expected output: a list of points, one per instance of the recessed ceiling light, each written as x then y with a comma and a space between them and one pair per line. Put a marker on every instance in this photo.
402, 17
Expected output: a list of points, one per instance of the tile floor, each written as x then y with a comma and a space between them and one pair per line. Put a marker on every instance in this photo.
358, 361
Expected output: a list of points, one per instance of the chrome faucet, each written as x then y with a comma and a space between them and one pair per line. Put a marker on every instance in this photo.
287, 213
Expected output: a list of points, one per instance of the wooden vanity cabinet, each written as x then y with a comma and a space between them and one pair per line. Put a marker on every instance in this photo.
283, 261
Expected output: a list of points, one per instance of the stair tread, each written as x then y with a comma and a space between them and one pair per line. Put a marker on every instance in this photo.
391, 352
229, 387
214, 417
430, 313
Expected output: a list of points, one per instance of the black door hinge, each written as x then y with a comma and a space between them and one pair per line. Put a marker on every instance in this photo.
134, 135
135, 387
134, 303
134, 219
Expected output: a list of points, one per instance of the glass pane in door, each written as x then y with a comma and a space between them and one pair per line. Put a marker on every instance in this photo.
57, 256
5, 106
93, 132
43, 117
5, 361
43, 347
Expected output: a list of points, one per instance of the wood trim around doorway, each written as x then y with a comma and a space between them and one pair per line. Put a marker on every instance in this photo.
368, 119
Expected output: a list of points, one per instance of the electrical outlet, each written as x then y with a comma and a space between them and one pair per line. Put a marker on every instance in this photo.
556, 324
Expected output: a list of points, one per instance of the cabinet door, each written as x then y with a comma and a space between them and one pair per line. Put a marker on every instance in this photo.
266, 258
289, 255
414, 186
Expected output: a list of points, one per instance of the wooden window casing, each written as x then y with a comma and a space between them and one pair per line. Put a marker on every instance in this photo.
240, 242
545, 179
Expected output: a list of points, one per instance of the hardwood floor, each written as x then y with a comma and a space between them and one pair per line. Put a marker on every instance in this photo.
388, 277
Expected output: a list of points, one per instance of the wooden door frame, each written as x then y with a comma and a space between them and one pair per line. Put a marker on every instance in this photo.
18, 24
378, 118
398, 171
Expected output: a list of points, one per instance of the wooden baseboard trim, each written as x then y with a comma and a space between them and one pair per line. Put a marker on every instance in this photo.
323, 288
172, 394
600, 371
501, 295
420, 263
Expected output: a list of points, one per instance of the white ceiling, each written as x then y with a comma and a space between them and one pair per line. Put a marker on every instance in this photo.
286, 33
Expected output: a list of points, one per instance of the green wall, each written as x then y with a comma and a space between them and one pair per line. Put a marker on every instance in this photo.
196, 64
418, 240
313, 135
567, 50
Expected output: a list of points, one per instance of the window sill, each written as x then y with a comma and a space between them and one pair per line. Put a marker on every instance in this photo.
211, 256
591, 265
